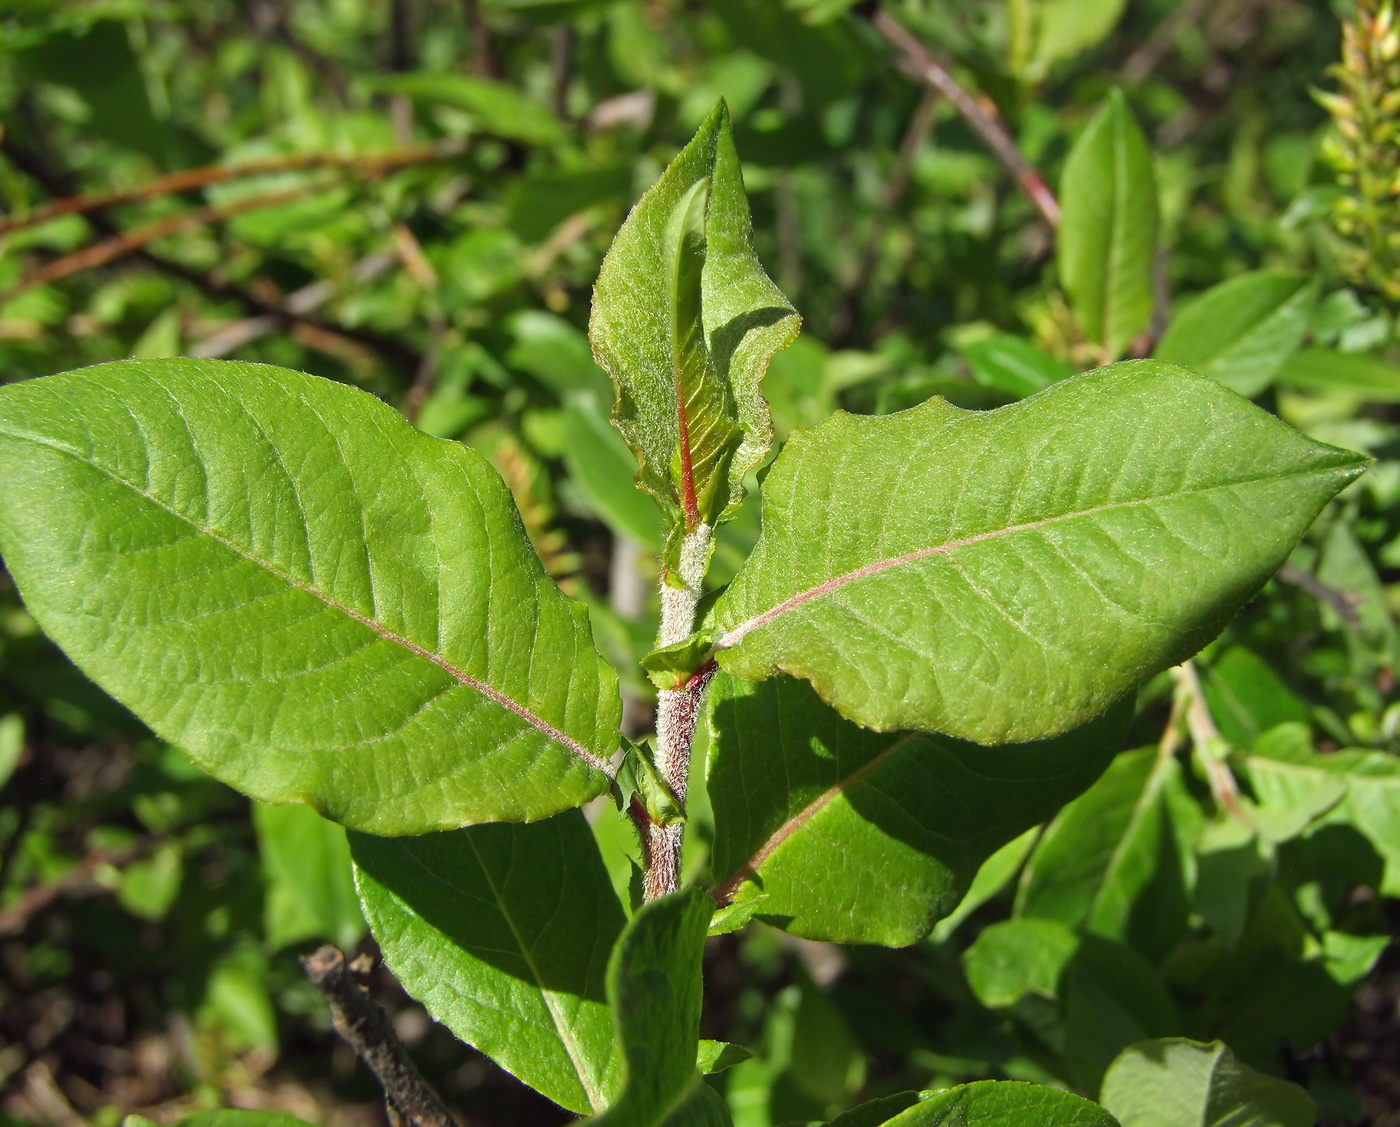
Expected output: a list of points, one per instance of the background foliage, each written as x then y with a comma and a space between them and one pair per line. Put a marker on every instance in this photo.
433, 186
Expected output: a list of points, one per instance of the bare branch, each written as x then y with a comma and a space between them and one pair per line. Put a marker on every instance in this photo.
365, 1027
917, 61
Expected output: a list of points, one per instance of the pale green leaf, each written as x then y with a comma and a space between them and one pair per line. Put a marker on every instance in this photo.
1325, 370
685, 320
310, 884
1246, 697
149, 887
1005, 575
1052, 30
503, 933
1002, 1103
1117, 860
1242, 331
314, 601
1013, 958
992, 877
654, 990
1179, 1083
1107, 237
496, 107
11, 744
837, 832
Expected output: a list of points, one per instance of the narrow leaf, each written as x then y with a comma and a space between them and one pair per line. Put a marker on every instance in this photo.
1242, 331
1002, 1103
685, 320
503, 933
836, 831
1108, 231
654, 990
315, 601
1004, 575
497, 107
1350, 373
1180, 1083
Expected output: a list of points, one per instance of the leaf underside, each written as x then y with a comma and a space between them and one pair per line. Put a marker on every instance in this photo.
1003, 576
844, 834
315, 601
503, 933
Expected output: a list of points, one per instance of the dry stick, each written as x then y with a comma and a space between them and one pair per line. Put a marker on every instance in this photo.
1207, 739
374, 165
364, 1026
917, 61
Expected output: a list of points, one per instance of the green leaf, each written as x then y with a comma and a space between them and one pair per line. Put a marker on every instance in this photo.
232, 1117
992, 877
1005, 575
1013, 365
1115, 861
654, 990
1283, 775
314, 601
11, 744
1002, 1103
503, 933
1052, 30
639, 778
1179, 1083
1108, 229
670, 667
1013, 958
497, 108
149, 887
310, 882
717, 1056
835, 830
875, 1112
1242, 331
1246, 697
685, 320
1323, 369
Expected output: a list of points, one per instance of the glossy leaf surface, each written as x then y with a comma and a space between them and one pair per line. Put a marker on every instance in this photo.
685, 320
504, 933
654, 989
1242, 331
845, 834
1107, 237
315, 601
1180, 1083
1002, 1103
1003, 576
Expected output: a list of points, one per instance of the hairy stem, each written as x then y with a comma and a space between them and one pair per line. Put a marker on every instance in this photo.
676, 713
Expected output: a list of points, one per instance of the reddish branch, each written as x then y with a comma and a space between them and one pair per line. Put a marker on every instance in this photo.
982, 117
373, 165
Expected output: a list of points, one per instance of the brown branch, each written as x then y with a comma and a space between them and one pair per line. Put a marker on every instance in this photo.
1343, 602
127, 242
916, 60
373, 165
365, 1027
483, 60
78, 879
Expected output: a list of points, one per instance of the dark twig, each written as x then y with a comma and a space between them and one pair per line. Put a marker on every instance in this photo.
917, 132
483, 61
916, 60
1343, 602
365, 1027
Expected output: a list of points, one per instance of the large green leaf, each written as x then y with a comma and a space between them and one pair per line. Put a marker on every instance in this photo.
685, 320
1002, 1103
1116, 860
836, 832
1242, 331
503, 933
1108, 229
1179, 1083
1005, 575
315, 601
654, 989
